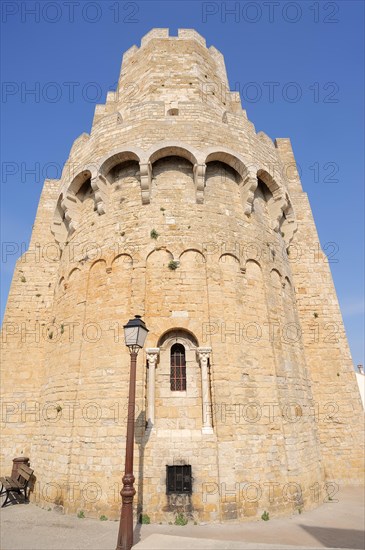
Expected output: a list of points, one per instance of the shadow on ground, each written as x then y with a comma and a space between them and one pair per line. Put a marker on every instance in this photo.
330, 537
14, 498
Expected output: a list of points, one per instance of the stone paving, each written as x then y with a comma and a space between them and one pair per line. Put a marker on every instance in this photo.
332, 525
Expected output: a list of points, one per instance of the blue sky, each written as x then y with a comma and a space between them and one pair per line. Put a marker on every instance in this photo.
312, 51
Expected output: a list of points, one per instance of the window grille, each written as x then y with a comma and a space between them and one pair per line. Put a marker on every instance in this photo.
178, 479
178, 368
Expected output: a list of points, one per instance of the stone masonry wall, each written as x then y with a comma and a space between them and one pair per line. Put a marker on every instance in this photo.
175, 209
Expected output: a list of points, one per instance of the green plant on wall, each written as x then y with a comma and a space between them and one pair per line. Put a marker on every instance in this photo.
173, 264
180, 519
145, 519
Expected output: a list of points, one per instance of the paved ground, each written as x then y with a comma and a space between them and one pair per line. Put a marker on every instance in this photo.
333, 525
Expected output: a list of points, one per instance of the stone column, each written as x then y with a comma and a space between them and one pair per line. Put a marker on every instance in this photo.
203, 357
152, 356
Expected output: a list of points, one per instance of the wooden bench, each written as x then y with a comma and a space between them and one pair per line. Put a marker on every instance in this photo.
10, 485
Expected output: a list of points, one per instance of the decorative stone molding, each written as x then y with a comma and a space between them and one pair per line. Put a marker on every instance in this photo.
70, 207
59, 231
288, 223
152, 355
288, 228
152, 358
66, 216
179, 336
276, 207
146, 179
248, 189
203, 355
199, 180
59, 227
281, 212
99, 186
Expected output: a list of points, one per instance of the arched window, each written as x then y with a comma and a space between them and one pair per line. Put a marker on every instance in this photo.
178, 368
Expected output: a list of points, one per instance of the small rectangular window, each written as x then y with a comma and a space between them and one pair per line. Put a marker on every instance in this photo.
178, 479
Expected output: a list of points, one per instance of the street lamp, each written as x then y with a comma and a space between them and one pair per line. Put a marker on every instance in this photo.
135, 333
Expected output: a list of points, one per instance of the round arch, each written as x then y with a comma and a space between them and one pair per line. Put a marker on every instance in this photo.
117, 157
172, 151
226, 156
269, 181
79, 181
177, 335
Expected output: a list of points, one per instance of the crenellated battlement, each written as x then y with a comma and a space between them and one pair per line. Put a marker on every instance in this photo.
175, 208
164, 33
194, 70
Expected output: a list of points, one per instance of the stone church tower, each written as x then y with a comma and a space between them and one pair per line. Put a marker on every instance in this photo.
174, 208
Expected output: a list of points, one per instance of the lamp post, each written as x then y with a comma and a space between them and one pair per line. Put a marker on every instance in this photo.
135, 333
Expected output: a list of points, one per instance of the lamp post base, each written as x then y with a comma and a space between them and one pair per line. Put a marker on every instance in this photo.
125, 535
